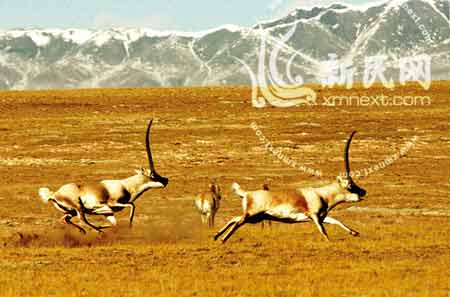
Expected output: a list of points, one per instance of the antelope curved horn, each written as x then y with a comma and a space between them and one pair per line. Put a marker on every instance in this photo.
147, 145
347, 147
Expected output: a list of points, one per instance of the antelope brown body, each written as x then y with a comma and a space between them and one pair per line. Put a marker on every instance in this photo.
208, 204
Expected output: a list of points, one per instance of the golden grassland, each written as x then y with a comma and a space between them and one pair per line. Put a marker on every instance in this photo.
49, 138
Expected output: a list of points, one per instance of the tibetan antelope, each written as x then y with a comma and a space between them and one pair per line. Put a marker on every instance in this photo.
105, 197
208, 204
297, 205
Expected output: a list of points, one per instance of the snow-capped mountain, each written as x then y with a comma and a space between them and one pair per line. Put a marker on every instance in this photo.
76, 58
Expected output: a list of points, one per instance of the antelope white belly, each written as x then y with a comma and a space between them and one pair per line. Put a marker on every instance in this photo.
89, 201
286, 211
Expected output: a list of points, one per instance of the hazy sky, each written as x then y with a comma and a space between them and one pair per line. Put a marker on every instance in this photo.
182, 15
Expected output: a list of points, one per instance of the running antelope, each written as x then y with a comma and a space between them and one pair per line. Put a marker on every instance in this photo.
105, 197
208, 204
297, 205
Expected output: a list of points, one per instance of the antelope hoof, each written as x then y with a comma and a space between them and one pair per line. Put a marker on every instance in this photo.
354, 233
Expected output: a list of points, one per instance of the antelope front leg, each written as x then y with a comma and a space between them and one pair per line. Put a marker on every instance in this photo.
111, 219
132, 209
124, 205
330, 220
319, 225
82, 217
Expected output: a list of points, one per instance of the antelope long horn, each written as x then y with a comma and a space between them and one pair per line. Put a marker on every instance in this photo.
347, 163
147, 144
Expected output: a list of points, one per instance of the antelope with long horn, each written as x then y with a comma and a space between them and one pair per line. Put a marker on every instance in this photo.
297, 205
208, 204
105, 197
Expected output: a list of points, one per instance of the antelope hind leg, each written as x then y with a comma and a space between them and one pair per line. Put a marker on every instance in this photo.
227, 225
330, 220
67, 219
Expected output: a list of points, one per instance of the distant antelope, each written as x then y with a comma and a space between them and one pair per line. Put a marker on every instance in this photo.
208, 204
105, 197
297, 205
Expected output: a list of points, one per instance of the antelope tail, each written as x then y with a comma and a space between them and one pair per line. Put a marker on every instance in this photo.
238, 191
45, 194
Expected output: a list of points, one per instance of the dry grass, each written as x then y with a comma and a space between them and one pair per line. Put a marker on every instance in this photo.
53, 137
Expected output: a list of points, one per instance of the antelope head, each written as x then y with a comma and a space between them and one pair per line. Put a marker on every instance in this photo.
215, 190
346, 182
151, 173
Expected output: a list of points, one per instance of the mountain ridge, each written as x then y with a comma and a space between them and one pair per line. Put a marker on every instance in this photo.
139, 57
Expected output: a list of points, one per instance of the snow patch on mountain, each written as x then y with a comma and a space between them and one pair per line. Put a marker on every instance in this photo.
134, 57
